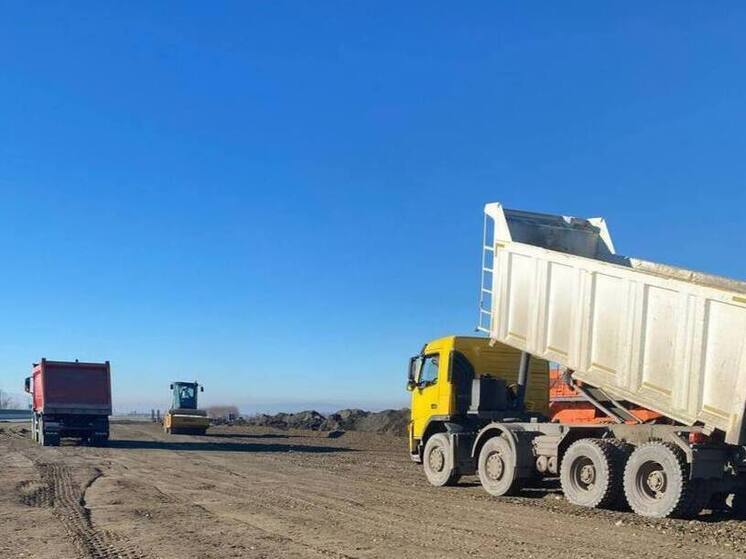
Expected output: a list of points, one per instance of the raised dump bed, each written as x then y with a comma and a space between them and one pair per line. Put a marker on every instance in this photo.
665, 338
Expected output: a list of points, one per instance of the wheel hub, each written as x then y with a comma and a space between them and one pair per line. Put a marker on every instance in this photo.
437, 460
495, 466
588, 474
656, 481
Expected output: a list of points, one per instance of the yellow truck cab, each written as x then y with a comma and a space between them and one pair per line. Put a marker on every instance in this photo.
460, 384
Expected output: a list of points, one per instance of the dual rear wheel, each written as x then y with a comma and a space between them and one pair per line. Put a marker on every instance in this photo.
657, 484
591, 473
653, 479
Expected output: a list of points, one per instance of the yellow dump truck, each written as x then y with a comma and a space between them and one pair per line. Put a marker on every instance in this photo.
628, 334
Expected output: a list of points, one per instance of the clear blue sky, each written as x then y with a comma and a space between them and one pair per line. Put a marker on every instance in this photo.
283, 199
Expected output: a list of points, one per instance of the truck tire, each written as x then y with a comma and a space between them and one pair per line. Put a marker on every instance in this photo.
437, 461
591, 473
657, 484
102, 440
497, 467
47, 439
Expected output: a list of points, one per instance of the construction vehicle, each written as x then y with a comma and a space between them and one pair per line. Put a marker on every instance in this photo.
70, 399
184, 418
657, 353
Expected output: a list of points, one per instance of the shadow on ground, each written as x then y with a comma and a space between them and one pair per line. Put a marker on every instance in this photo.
224, 446
250, 436
537, 489
541, 488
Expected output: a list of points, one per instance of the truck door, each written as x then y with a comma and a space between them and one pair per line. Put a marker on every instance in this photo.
426, 394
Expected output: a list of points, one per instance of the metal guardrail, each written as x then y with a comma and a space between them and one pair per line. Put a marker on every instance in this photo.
15, 415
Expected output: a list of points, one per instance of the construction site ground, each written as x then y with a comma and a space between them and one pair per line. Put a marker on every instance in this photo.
257, 492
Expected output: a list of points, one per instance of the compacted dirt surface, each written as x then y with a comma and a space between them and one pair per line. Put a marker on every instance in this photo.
251, 492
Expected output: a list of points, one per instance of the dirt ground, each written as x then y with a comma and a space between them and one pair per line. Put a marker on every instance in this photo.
250, 492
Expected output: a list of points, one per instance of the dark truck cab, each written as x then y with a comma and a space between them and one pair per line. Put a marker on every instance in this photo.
70, 399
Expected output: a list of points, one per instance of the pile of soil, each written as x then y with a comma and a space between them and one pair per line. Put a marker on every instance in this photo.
388, 422
310, 419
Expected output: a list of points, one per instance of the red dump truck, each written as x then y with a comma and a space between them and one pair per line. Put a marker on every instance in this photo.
70, 399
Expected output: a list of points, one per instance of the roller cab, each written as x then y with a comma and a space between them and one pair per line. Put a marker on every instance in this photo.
184, 417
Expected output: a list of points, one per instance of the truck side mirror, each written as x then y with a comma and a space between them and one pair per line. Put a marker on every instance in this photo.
201, 388
415, 366
171, 386
27, 385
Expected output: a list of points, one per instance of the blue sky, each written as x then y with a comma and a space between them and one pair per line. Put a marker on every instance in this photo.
284, 199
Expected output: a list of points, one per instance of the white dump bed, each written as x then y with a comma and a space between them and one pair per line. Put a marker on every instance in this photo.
662, 337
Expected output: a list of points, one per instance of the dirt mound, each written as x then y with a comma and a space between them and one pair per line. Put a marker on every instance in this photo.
344, 420
389, 422
310, 419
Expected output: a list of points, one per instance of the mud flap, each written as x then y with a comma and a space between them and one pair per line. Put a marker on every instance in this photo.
707, 463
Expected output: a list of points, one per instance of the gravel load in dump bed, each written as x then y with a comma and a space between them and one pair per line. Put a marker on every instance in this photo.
388, 422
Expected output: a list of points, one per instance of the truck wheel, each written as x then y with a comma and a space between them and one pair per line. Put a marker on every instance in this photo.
591, 473
437, 461
45, 439
99, 440
497, 467
657, 484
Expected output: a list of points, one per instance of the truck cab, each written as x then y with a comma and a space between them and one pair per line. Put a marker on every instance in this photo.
459, 383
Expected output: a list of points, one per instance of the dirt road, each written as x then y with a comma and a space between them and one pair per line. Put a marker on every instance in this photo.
261, 493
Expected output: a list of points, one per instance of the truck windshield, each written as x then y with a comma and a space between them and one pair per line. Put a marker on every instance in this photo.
430, 367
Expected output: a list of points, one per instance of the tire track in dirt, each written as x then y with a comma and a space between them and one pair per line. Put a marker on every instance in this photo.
59, 491
316, 495
278, 536
302, 504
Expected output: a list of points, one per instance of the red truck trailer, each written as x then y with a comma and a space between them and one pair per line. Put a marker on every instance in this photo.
70, 399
